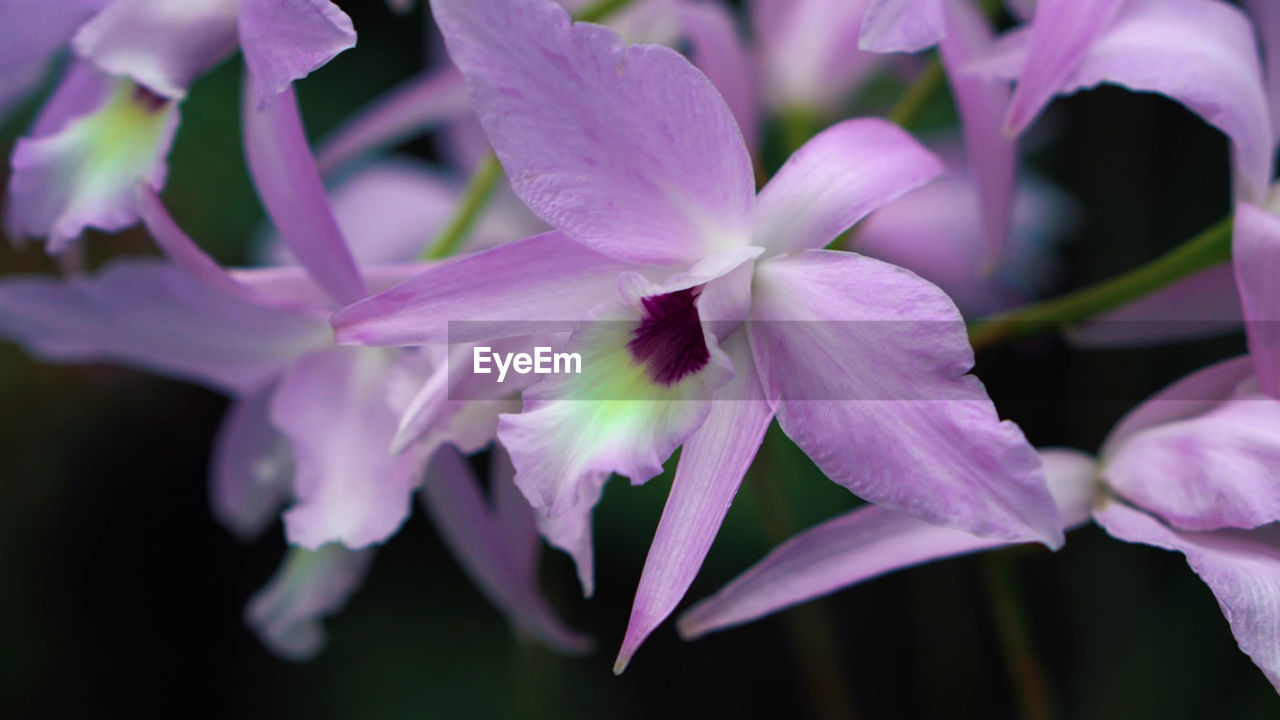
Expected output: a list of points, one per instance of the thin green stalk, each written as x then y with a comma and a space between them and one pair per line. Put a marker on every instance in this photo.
1211, 247
475, 197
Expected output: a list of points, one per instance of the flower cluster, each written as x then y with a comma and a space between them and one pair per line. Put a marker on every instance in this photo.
623, 209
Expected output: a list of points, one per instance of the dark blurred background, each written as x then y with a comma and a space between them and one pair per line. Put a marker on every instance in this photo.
120, 596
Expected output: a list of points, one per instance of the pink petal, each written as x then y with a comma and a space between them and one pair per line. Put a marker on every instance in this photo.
1203, 304
285, 175
838, 177
866, 366
629, 150
902, 25
476, 536
284, 40
160, 44
332, 405
864, 544
1242, 569
252, 468
309, 585
505, 290
712, 465
1256, 258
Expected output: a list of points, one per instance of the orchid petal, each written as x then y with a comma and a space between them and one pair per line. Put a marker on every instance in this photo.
309, 585
84, 170
1242, 569
349, 488
1062, 33
285, 40
160, 44
1255, 254
30, 35
712, 465
902, 25
252, 468
504, 573
991, 156
285, 174
409, 108
838, 177
864, 544
150, 315
1203, 304
629, 150
540, 279
866, 366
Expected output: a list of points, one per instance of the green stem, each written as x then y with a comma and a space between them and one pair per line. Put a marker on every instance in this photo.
1211, 247
906, 112
1024, 668
600, 10
475, 197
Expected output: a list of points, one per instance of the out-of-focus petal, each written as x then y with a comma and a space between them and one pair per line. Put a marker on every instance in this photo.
991, 156
411, 107
1266, 18
712, 465
864, 544
805, 53
867, 368
85, 170
473, 532
151, 315
285, 174
309, 585
841, 175
1242, 569
1062, 33
284, 40
1214, 470
1255, 254
545, 278
1203, 304
332, 405
160, 44
252, 467
628, 149
902, 25
30, 35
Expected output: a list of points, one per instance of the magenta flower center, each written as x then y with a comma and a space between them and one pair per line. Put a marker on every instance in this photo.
669, 340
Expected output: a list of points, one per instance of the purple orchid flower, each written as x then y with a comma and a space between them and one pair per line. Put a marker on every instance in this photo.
311, 424
111, 123
1191, 470
636, 161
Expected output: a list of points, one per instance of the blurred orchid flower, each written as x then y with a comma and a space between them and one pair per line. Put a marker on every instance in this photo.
707, 310
111, 123
311, 424
1191, 469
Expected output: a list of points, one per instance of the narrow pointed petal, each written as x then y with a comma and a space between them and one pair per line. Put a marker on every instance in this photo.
332, 405
1062, 33
717, 49
990, 155
867, 368
453, 499
30, 37
160, 44
412, 107
804, 52
150, 315
864, 544
1255, 254
81, 170
837, 178
1242, 569
1204, 304
902, 25
284, 40
629, 150
1266, 17
252, 468
309, 586
544, 278
285, 175
1213, 470
712, 465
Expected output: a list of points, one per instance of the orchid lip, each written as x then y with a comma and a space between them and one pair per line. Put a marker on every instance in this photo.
669, 340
